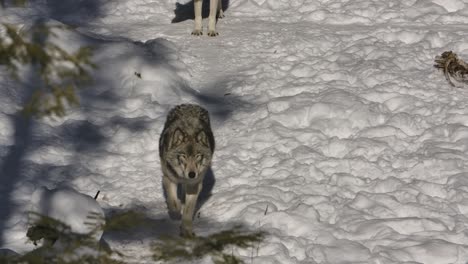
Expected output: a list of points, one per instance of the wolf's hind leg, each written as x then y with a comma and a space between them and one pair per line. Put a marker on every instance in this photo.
220, 9
173, 203
191, 196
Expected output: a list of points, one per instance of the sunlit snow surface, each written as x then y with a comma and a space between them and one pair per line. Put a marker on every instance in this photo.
335, 133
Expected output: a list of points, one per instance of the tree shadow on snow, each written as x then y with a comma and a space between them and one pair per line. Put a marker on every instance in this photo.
139, 225
82, 138
13, 166
219, 102
74, 12
186, 11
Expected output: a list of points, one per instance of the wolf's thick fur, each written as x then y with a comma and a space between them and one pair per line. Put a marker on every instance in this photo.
216, 7
186, 147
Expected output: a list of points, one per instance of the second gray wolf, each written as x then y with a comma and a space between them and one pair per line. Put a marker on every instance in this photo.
215, 9
186, 147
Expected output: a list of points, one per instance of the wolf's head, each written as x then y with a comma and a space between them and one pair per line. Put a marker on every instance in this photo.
189, 156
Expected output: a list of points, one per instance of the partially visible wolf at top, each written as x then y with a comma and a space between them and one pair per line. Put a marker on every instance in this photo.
186, 147
215, 9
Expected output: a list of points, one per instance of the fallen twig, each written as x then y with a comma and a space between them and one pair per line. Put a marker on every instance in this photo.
453, 67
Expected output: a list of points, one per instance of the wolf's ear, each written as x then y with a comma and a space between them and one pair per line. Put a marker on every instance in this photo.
177, 138
202, 138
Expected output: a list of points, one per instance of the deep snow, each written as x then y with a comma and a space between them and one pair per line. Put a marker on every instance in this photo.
334, 131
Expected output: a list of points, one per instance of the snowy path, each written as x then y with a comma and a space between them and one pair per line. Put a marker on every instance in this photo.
334, 132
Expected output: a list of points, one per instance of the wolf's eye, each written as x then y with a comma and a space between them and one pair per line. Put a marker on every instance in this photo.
181, 158
199, 157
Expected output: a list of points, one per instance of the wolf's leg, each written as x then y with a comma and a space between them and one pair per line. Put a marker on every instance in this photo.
212, 18
220, 9
197, 31
173, 203
191, 196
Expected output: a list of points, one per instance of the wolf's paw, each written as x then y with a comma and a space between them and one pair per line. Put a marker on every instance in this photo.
197, 32
221, 14
186, 232
212, 33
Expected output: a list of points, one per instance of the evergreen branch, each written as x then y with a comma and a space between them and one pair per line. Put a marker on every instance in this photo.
173, 248
60, 72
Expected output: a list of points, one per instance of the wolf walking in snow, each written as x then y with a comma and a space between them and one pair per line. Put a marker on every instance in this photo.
215, 9
186, 147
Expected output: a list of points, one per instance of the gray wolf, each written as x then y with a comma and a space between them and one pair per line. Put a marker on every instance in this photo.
186, 148
215, 8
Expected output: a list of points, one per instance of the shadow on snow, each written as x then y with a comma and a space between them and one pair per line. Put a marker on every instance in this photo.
32, 135
73, 12
156, 226
84, 137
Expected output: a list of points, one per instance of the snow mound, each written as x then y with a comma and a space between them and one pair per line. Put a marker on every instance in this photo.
80, 212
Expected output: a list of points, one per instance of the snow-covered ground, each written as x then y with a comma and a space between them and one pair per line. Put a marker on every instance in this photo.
335, 133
